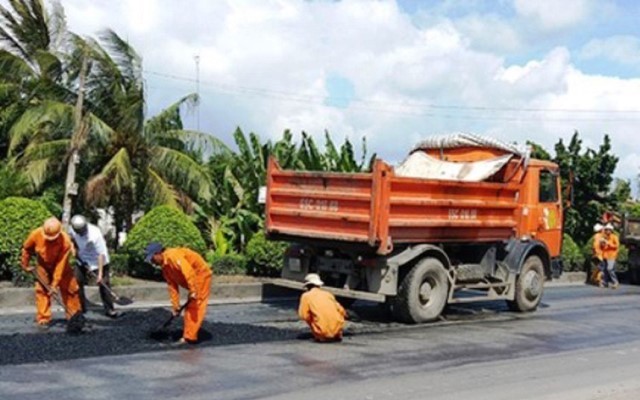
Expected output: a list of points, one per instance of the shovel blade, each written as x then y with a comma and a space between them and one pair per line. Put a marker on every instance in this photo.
76, 323
123, 301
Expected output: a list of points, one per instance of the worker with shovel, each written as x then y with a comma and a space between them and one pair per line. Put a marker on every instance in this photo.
92, 259
53, 273
182, 267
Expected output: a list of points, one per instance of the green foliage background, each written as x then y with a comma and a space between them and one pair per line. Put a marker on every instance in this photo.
18, 217
265, 257
164, 224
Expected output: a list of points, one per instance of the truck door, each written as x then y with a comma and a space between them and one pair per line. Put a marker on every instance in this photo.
549, 211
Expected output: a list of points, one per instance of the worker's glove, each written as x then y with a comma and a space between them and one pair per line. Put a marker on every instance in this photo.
193, 296
175, 312
53, 290
28, 268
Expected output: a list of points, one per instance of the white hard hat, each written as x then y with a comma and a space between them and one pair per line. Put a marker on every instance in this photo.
78, 223
313, 279
597, 227
608, 227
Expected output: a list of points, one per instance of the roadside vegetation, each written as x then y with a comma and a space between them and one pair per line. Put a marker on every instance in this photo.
73, 107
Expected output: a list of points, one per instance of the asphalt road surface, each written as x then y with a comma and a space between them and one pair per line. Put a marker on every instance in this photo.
582, 343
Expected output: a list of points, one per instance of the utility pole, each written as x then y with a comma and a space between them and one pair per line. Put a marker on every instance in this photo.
77, 138
197, 59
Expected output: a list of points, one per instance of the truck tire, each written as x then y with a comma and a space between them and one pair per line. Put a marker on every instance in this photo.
423, 292
529, 286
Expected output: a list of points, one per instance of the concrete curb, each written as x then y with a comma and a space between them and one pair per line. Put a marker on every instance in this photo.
156, 293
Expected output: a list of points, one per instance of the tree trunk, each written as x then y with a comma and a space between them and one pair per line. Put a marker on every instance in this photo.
79, 131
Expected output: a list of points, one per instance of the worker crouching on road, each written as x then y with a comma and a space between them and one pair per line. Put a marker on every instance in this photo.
321, 311
182, 267
52, 248
609, 245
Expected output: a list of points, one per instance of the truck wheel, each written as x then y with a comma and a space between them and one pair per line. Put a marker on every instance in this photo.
422, 293
529, 286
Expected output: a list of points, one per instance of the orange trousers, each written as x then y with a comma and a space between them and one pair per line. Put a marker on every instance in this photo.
68, 292
196, 310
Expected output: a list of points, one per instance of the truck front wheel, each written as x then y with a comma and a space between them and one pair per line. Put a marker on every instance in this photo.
423, 292
529, 286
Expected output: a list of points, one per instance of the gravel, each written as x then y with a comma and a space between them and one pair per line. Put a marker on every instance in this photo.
126, 335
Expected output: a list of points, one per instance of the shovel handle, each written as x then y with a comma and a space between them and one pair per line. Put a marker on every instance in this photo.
48, 289
180, 310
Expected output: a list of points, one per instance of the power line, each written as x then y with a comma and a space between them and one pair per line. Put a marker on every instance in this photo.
384, 106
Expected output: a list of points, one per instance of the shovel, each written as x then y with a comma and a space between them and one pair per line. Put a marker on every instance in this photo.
77, 321
160, 332
119, 300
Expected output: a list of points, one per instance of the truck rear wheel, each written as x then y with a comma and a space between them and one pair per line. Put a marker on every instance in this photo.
423, 292
529, 286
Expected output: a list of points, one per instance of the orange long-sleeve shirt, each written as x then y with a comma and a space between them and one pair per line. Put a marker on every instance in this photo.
322, 312
182, 267
610, 246
597, 245
52, 256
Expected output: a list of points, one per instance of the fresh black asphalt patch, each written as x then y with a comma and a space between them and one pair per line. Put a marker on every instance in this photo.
126, 335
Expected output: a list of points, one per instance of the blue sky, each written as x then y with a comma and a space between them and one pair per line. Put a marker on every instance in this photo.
393, 72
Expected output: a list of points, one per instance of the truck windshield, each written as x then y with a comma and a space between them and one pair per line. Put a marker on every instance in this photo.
548, 187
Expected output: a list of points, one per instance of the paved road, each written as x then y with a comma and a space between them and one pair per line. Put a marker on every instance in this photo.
583, 343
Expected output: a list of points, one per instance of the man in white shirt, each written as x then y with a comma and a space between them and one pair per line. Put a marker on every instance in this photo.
93, 257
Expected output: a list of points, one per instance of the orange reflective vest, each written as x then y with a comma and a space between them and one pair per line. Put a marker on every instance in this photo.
322, 312
611, 245
182, 267
52, 256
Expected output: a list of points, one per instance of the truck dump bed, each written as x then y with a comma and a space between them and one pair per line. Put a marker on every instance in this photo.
381, 209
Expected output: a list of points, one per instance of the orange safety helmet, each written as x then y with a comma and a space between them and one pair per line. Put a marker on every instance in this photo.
52, 228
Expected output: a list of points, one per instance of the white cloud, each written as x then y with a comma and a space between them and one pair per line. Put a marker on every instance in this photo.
620, 49
554, 15
264, 65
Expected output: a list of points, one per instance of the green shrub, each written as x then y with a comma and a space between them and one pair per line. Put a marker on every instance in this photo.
572, 255
163, 224
265, 257
18, 217
119, 264
228, 264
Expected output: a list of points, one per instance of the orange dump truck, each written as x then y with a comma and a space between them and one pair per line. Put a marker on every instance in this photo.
464, 218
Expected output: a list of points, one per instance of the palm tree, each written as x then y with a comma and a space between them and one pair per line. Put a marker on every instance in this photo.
140, 163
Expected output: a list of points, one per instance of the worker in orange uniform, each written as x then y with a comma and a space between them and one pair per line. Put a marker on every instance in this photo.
610, 244
52, 248
321, 311
596, 274
182, 267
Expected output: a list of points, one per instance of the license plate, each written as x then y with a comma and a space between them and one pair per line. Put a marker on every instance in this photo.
295, 265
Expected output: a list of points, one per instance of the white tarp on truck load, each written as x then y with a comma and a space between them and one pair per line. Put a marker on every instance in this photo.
421, 165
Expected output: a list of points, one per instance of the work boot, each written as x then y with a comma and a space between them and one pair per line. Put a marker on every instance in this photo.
180, 343
112, 314
42, 325
614, 285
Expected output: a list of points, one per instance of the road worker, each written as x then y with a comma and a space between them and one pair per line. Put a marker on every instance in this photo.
321, 311
52, 248
596, 273
182, 267
92, 259
610, 244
